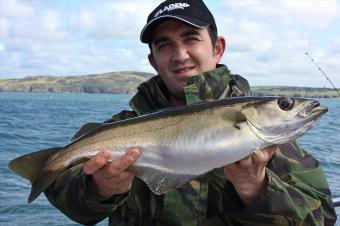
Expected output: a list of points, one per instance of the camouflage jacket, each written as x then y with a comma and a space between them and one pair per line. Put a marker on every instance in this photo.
297, 192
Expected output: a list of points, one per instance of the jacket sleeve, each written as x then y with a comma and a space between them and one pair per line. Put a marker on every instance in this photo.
297, 193
69, 193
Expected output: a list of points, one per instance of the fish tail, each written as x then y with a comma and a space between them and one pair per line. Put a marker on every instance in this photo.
32, 167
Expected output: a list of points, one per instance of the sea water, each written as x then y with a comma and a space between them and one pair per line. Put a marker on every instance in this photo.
34, 121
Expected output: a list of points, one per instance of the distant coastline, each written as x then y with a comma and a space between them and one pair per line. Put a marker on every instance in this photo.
112, 82
293, 91
127, 83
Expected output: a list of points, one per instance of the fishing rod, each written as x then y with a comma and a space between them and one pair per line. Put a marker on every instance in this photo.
322, 72
336, 200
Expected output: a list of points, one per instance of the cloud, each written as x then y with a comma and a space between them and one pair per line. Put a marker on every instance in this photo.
50, 20
266, 41
15, 9
246, 35
83, 20
334, 46
316, 14
111, 19
45, 25
4, 27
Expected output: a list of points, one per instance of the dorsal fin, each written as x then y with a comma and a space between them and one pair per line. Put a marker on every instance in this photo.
85, 129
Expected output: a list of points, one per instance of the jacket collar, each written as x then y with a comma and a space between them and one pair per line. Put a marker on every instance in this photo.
152, 95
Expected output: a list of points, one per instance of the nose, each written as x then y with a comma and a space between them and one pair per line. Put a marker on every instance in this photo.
180, 54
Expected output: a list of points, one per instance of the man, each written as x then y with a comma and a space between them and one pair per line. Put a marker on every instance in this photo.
277, 186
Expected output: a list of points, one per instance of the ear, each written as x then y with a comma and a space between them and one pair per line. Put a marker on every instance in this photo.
220, 46
152, 61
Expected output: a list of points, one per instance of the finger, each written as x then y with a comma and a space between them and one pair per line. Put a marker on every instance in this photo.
119, 165
263, 156
259, 157
271, 151
96, 162
246, 162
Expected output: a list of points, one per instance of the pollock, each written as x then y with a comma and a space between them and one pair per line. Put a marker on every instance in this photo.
181, 143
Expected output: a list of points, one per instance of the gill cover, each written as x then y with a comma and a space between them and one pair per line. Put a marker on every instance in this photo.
278, 120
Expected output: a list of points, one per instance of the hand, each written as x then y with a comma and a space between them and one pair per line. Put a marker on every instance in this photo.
109, 179
248, 175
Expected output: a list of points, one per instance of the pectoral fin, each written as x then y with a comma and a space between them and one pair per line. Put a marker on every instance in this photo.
160, 182
231, 115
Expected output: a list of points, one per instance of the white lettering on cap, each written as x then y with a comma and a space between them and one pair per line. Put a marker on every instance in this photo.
172, 7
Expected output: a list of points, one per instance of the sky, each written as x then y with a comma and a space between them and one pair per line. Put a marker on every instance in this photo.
266, 40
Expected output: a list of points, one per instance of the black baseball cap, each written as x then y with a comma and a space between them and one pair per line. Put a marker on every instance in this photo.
192, 12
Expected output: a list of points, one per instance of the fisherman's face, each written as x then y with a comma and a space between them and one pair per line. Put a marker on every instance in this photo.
180, 51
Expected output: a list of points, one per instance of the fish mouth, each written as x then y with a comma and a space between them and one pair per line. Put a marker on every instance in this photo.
314, 108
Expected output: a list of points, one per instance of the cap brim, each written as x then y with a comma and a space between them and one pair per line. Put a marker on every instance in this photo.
148, 29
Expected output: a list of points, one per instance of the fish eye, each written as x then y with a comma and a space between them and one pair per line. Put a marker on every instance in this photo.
285, 103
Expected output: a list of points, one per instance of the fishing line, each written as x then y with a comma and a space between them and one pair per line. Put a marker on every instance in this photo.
336, 200
322, 72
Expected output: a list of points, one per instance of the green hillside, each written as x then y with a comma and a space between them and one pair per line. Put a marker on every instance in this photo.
113, 82
294, 91
127, 82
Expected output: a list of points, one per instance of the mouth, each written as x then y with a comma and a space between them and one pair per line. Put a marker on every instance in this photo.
183, 70
316, 108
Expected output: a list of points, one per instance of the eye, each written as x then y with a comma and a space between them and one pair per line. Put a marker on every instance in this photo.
162, 45
191, 39
285, 103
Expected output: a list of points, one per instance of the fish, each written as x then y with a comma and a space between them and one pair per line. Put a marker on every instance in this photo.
178, 144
